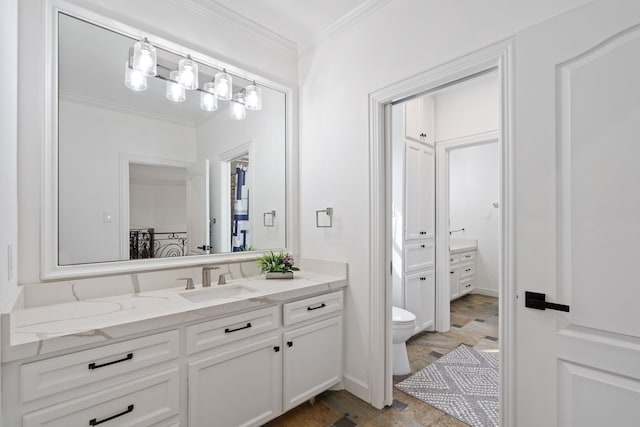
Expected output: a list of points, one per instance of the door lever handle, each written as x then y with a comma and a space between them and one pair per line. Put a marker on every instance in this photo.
539, 302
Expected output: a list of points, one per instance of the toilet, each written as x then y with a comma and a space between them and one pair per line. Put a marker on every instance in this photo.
403, 324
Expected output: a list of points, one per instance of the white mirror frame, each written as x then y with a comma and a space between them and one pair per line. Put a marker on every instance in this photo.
49, 267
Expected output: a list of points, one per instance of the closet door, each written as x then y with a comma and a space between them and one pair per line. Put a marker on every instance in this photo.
419, 191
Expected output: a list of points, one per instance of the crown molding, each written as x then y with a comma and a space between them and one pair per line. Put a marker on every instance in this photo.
238, 23
351, 18
123, 108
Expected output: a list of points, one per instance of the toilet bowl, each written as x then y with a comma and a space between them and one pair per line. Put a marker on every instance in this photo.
403, 324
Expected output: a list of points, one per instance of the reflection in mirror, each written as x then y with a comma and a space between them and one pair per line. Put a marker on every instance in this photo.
141, 176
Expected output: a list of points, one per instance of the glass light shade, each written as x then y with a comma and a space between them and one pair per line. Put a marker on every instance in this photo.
253, 97
208, 100
238, 111
134, 79
145, 58
223, 85
188, 73
175, 91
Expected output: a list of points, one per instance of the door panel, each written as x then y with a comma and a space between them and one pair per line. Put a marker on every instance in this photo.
198, 207
578, 122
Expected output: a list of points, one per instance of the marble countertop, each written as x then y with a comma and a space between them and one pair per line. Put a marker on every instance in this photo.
462, 245
34, 331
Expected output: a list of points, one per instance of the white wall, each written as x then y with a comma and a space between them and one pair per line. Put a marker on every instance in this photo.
92, 139
8, 154
161, 206
265, 130
467, 108
474, 184
401, 39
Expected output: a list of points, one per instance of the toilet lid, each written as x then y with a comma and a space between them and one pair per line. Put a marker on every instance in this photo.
400, 315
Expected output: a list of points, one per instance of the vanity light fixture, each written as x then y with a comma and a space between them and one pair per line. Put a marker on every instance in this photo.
188, 73
208, 99
145, 58
143, 63
134, 79
237, 107
175, 91
223, 85
253, 97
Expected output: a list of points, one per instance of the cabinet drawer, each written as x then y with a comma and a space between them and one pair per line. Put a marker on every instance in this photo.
229, 329
467, 256
454, 259
309, 308
418, 256
144, 402
466, 286
63, 373
467, 270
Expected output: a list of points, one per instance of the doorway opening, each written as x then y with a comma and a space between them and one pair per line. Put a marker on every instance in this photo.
493, 59
445, 189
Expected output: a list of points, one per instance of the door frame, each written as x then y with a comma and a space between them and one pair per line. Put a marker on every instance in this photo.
498, 55
443, 209
224, 159
125, 159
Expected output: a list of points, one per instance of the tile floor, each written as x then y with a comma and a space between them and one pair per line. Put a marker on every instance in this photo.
474, 320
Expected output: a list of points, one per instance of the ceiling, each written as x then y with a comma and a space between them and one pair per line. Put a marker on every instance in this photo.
296, 20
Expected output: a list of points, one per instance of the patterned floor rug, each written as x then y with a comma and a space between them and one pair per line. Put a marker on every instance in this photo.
463, 383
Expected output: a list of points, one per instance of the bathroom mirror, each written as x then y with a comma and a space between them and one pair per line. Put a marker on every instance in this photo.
140, 177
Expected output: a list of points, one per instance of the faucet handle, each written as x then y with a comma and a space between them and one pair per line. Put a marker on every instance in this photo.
222, 278
189, 282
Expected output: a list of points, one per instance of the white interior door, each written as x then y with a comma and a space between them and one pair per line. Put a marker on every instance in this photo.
578, 217
198, 208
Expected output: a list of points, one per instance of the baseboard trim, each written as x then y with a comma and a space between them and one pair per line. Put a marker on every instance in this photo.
485, 291
356, 387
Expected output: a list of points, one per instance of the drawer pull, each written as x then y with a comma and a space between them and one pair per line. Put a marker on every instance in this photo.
93, 365
451, 272
290, 343
422, 246
323, 305
467, 269
228, 331
467, 256
276, 348
95, 422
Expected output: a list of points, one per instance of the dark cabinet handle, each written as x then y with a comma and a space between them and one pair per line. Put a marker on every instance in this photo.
315, 308
228, 331
290, 343
95, 422
94, 365
422, 246
468, 269
276, 348
539, 302
451, 272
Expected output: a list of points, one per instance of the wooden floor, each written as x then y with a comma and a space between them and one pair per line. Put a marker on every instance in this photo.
474, 321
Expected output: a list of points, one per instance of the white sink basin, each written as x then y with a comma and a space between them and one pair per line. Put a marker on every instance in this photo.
218, 292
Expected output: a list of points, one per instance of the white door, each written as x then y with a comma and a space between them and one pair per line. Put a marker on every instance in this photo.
198, 208
578, 217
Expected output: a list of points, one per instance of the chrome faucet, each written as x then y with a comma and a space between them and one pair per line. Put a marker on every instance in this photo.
222, 278
206, 276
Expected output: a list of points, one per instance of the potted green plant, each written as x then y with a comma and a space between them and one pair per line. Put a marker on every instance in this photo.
277, 265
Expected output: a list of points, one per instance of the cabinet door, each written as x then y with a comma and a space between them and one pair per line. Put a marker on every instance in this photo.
312, 360
241, 386
420, 297
454, 282
414, 118
419, 191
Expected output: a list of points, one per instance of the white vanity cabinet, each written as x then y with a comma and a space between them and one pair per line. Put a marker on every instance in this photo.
462, 273
238, 380
240, 369
420, 298
134, 382
312, 347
